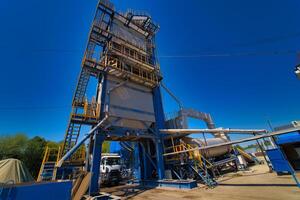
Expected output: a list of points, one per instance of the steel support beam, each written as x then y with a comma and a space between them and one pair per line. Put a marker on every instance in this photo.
137, 161
96, 160
159, 124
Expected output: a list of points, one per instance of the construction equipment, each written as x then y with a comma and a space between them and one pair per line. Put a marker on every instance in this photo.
110, 168
248, 157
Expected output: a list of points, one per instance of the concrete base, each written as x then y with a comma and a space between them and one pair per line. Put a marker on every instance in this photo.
102, 196
177, 184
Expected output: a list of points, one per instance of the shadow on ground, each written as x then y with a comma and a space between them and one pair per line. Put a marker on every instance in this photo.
258, 185
126, 191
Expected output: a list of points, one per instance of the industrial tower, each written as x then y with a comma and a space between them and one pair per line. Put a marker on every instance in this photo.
120, 54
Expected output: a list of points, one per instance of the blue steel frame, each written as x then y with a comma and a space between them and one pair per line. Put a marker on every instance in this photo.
99, 138
159, 124
140, 153
144, 166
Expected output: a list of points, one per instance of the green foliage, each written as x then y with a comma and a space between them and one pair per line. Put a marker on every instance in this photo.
106, 147
256, 147
33, 154
53, 145
31, 151
251, 146
13, 146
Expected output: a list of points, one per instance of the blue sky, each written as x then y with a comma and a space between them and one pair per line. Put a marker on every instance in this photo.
247, 79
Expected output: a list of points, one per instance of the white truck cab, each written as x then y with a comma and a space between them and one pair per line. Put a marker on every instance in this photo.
110, 168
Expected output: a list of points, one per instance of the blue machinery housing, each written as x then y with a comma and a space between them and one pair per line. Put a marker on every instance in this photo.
286, 157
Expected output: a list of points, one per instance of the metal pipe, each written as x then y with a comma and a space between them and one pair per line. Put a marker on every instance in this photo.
216, 130
206, 117
275, 133
74, 148
172, 95
263, 153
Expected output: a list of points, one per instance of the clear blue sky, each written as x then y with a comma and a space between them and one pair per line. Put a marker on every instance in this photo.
42, 43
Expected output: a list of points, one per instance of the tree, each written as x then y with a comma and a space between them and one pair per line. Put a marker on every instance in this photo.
13, 146
31, 151
106, 147
33, 154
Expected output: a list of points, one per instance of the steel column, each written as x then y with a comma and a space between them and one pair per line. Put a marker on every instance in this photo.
137, 161
96, 159
159, 124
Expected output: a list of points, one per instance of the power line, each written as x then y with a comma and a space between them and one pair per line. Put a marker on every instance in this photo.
19, 108
262, 53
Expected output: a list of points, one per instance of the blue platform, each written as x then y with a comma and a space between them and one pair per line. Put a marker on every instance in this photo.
43, 190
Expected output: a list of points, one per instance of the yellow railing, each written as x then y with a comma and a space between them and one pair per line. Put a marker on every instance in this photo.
91, 110
43, 162
50, 155
195, 155
54, 155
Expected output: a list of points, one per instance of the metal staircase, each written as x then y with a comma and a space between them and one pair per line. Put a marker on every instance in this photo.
83, 112
81, 87
71, 137
199, 165
204, 176
47, 170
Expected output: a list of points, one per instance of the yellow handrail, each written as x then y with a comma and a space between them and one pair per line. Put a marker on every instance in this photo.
196, 155
43, 163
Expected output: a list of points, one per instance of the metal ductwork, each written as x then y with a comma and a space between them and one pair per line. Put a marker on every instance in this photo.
206, 117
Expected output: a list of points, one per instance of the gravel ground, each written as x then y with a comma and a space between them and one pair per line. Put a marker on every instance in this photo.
257, 183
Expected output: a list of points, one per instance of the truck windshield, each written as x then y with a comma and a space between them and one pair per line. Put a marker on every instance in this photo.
113, 161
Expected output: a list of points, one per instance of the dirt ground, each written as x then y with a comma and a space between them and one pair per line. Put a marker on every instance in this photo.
256, 183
